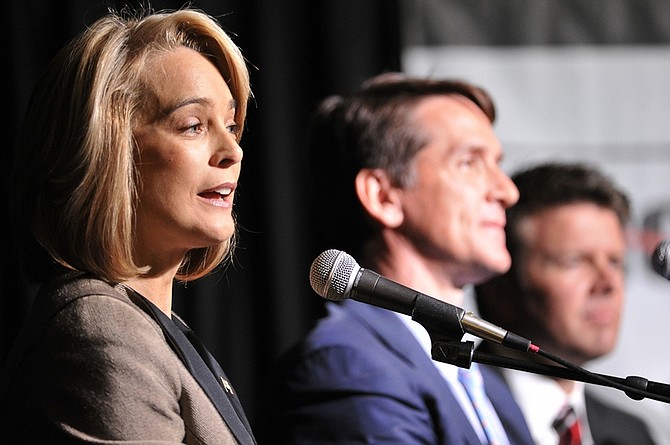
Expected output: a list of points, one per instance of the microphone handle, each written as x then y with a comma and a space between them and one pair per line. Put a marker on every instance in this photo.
371, 288
436, 316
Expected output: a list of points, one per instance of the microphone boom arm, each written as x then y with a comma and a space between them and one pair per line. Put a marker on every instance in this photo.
462, 354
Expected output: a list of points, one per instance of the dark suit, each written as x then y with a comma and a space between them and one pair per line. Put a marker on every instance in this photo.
612, 426
98, 364
608, 425
361, 377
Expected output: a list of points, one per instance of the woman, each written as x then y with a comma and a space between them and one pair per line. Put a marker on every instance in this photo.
124, 179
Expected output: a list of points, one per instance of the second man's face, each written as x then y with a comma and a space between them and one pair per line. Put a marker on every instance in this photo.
572, 279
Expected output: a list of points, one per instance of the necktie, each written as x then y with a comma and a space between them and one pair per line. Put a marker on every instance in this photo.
567, 427
474, 385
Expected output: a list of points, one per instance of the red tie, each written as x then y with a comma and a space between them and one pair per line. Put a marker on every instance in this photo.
567, 427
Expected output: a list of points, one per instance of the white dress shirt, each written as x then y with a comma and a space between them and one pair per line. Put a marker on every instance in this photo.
450, 374
541, 399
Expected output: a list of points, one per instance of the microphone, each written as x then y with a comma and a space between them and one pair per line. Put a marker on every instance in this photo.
336, 276
659, 259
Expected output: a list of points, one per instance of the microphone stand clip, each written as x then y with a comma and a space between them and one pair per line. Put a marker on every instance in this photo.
454, 352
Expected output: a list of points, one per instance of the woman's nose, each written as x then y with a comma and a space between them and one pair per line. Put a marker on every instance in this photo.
228, 152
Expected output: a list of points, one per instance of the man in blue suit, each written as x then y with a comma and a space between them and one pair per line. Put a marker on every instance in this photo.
407, 177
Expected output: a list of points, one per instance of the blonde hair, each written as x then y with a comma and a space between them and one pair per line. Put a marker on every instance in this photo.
74, 183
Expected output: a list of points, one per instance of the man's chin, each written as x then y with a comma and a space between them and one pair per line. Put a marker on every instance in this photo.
491, 270
498, 265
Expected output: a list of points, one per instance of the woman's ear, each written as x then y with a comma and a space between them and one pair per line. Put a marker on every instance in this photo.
380, 199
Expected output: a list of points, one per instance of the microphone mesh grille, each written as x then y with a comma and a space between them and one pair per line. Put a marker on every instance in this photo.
659, 259
331, 273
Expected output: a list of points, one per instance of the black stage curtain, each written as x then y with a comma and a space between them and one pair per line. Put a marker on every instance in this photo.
299, 52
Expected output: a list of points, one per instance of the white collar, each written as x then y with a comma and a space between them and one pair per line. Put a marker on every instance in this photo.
541, 399
450, 375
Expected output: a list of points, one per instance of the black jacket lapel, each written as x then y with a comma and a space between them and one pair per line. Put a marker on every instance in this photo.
193, 354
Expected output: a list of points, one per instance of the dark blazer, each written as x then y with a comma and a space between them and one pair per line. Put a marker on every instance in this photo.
609, 425
98, 364
612, 426
361, 377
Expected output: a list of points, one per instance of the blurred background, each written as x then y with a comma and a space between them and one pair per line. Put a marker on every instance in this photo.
572, 79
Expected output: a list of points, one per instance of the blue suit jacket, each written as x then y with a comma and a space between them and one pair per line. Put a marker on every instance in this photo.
361, 377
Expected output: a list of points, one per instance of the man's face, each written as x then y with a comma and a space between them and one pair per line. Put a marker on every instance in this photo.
454, 210
571, 272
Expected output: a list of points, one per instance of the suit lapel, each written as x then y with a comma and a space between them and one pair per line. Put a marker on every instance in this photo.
386, 326
194, 356
215, 368
503, 401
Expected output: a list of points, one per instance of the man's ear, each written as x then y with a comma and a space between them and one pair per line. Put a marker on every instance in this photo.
380, 199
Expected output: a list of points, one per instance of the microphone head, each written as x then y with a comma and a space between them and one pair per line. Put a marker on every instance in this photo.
659, 259
332, 274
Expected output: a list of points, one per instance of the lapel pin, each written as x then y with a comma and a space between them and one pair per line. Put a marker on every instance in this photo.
226, 385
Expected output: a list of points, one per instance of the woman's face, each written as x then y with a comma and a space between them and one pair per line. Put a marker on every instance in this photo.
188, 159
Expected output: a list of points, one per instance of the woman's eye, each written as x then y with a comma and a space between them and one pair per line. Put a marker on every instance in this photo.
234, 128
195, 128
